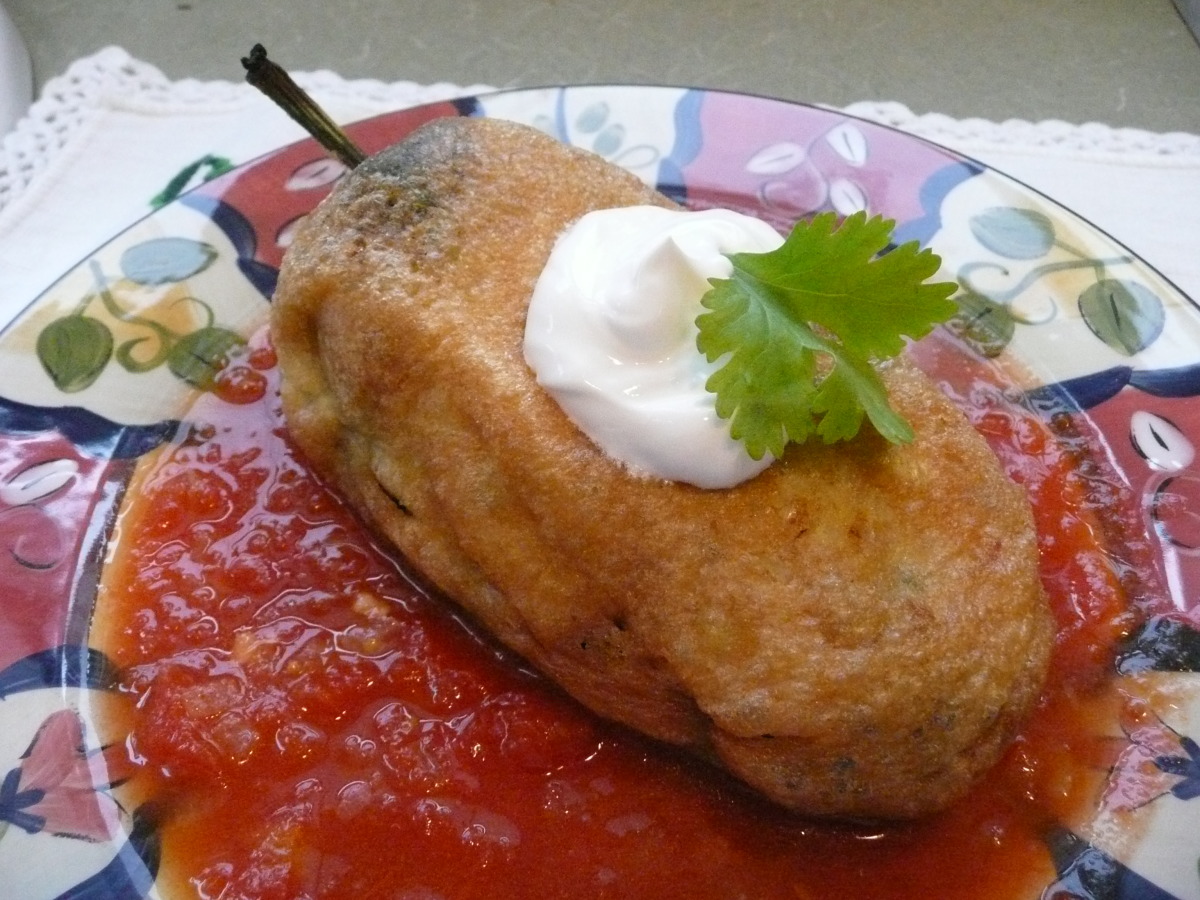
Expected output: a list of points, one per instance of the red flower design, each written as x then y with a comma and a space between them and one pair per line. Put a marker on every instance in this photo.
55, 788
1157, 761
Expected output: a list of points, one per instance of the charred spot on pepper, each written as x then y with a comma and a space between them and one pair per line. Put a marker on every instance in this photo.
400, 505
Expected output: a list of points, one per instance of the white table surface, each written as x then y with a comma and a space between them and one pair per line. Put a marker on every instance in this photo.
1127, 63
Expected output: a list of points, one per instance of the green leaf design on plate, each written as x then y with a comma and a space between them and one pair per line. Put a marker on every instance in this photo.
592, 118
199, 356
1013, 233
609, 141
127, 358
167, 259
984, 325
214, 166
1126, 315
74, 351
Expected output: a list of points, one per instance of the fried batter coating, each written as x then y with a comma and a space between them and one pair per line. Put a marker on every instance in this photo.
856, 632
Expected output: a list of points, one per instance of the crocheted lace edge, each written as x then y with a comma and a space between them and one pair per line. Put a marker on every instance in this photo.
1092, 138
70, 101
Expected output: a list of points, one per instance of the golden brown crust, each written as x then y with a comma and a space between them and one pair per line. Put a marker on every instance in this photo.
858, 631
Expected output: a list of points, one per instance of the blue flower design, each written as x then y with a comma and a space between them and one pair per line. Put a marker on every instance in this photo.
15, 803
1187, 767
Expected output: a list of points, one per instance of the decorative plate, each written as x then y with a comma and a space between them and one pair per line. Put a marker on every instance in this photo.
101, 368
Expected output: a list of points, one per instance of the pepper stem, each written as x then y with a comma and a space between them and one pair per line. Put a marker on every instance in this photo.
277, 84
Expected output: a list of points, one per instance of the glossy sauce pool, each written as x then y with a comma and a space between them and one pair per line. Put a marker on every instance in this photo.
309, 723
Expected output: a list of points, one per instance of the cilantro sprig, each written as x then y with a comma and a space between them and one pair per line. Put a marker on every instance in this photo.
829, 291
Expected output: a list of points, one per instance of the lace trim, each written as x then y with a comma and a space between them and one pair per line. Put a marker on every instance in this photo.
1094, 139
70, 102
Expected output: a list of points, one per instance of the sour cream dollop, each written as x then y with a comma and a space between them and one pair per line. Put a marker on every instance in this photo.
611, 335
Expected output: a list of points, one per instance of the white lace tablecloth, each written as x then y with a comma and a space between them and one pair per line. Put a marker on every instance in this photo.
107, 136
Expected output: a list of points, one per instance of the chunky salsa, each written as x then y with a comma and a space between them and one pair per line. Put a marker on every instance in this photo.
311, 722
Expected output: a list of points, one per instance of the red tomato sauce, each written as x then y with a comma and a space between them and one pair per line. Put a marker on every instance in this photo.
311, 724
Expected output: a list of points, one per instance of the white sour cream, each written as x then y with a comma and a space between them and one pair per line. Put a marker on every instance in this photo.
611, 335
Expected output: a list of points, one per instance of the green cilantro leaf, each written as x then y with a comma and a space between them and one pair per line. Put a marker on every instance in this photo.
800, 327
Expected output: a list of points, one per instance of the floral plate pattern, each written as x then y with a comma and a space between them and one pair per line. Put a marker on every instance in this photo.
99, 370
